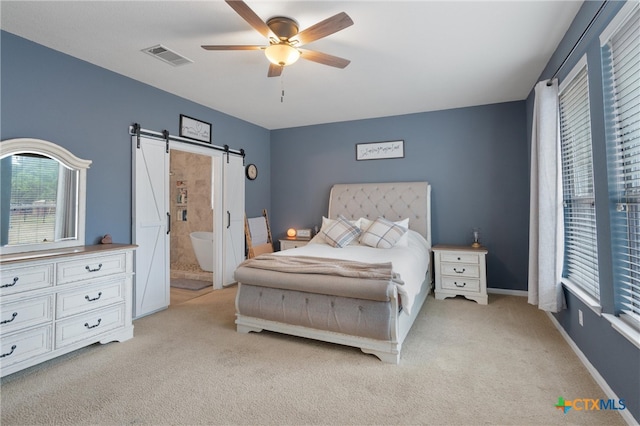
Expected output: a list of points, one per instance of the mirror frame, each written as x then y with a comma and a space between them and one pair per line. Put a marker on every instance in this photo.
38, 146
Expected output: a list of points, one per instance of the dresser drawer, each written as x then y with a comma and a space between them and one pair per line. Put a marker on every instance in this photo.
15, 280
460, 284
91, 267
459, 257
26, 313
24, 345
90, 297
460, 270
88, 325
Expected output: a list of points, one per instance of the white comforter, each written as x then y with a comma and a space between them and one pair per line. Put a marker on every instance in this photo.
411, 261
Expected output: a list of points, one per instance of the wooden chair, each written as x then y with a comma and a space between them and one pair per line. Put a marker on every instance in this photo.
258, 235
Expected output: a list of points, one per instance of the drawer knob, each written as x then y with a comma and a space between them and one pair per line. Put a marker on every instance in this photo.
89, 299
13, 348
86, 324
459, 258
458, 285
459, 272
15, 280
88, 268
13, 316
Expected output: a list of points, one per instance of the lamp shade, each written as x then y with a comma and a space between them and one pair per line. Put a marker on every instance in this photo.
282, 54
291, 232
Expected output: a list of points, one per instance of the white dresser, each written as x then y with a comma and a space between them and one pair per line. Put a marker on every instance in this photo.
56, 301
460, 271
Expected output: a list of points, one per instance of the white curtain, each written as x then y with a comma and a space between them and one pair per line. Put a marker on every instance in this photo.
545, 217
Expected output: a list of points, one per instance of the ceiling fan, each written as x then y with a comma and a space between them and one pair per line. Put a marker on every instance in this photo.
285, 40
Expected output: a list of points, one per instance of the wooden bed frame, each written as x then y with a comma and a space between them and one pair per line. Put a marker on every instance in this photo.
394, 201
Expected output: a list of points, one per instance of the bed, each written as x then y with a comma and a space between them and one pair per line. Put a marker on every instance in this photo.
355, 294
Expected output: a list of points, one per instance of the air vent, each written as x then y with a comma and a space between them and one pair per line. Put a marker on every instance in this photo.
167, 55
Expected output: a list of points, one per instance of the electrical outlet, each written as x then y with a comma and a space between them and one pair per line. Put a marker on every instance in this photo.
580, 321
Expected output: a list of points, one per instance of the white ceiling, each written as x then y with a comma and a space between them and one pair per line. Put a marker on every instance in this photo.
406, 57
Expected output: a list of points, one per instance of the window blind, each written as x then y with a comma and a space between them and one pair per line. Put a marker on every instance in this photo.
621, 74
34, 184
580, 250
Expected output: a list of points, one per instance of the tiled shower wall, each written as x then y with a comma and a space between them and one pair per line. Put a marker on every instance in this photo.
190, 183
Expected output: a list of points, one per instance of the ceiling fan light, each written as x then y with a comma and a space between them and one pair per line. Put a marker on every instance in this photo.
282, 54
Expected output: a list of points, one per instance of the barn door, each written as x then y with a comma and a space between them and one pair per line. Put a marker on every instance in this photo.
151, 225
233, 210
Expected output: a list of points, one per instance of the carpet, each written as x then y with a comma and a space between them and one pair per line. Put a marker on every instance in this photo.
188, 284
462, 364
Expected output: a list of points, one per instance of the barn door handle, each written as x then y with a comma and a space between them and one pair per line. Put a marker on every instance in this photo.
169, 222
228, 219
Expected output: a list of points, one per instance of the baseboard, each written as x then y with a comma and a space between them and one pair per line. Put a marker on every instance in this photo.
521, 293
626, 414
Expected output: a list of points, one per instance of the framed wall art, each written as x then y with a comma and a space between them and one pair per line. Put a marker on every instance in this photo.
195, 129
379, 150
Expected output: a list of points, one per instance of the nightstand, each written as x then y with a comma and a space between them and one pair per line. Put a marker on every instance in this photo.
289, 243
461, 271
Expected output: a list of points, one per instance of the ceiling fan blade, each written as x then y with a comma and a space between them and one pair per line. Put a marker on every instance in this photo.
324, 58
250, 16
274, 70
323, 28
230, 47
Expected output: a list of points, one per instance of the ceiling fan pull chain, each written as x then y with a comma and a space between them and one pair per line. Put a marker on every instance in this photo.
282, 89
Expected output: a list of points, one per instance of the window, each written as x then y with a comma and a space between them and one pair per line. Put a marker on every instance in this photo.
621, 83
580, 247
34, 187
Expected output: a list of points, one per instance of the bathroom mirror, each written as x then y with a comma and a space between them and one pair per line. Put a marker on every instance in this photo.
42, 196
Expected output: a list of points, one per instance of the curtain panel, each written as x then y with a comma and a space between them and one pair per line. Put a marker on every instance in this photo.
546, 217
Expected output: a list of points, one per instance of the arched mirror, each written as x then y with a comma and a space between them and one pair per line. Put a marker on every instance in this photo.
42, 198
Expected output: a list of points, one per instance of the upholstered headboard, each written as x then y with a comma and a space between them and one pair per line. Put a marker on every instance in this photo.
393, 200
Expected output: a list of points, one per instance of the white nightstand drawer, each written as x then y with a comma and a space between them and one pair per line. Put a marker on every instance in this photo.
26, 313
88, 325
90, 297
460, 284
22, 346
290, 244
461, 270
15, 280
459, 257
91, 267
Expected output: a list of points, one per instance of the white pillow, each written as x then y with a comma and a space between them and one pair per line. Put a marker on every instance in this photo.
382, 233
404, 240
340, 233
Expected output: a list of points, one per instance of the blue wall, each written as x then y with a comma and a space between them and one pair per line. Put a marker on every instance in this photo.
87, 109
475, 159
615, 358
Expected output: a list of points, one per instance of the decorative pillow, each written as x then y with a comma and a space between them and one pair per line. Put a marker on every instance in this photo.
382, 233
326, 224
340, 233
404, 223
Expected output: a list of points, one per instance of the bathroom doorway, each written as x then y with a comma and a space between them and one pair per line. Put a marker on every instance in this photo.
192, 248
153, 214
